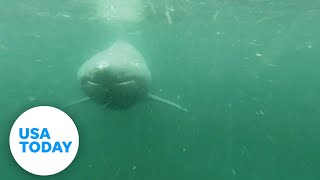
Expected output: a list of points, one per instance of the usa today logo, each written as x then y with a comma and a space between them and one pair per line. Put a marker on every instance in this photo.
44, 140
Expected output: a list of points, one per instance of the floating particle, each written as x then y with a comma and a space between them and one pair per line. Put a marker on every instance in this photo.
35, 35
92, 18
272, 65
118, 172
309, 46
215, 15
270, 138
258, 54
167, 14
244, 150
66, 15
183, 149
134, 168
260, 112
3, 46
253, 42
31, 99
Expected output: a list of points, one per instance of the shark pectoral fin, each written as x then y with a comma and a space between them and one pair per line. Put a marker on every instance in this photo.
76, 102
159, 99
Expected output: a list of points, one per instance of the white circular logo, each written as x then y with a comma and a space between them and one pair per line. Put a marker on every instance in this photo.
44, 140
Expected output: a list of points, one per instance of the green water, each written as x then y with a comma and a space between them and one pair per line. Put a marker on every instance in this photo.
248, 71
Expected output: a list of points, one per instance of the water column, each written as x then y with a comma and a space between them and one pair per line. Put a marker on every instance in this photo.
121, 15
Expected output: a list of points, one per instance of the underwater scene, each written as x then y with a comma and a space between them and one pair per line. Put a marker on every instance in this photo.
168, 89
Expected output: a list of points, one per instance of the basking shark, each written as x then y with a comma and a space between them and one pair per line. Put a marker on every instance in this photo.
117, 78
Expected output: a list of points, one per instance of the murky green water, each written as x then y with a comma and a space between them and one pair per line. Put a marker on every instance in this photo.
248, 71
